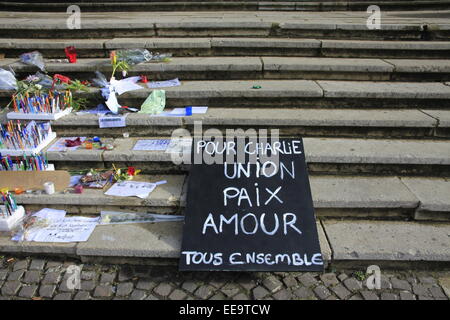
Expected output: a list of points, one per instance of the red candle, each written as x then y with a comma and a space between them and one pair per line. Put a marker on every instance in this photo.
71, 54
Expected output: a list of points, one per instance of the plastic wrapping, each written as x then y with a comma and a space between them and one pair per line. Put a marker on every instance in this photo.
45, 81
155, 102
161, 57
7, 80
33, 58
134, 56
101, 82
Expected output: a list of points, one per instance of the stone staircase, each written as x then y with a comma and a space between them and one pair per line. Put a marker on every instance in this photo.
229, 5
372, 106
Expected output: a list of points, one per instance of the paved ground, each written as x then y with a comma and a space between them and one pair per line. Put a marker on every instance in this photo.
25, 278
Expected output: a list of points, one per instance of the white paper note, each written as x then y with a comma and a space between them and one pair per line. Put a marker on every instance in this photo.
164, 84
131, 189
52, 225
152, 145
112, 121
71, 229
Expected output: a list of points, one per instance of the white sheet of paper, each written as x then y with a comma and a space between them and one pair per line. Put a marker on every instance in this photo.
195, 110
60, 144
181, 112
151, 145
50, 215
164, 84
71, 229
112, 102
125, 85
112, 121
131, 189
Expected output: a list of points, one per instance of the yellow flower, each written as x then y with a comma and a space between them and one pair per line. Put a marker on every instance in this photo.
113, 57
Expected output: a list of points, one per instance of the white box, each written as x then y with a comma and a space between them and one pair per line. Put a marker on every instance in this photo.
29, 152
38, 116
9, 223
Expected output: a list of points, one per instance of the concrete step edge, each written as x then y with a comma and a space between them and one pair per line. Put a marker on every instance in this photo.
355, 242
291, 89
329, 192
277, 117
318, 150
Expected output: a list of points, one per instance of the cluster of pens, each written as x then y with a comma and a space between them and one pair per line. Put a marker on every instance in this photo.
51, 102
33, 163
10, 204
14, 135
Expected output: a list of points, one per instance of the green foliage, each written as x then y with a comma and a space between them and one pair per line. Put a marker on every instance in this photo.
120, 66
79, 103
77, 85
360, 275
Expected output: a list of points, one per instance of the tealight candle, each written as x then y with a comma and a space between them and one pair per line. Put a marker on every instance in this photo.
18, 191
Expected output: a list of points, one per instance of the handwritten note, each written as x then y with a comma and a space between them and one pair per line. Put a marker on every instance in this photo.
151, 145
71, 229
164, 84
131, 189
258, 217
50, 225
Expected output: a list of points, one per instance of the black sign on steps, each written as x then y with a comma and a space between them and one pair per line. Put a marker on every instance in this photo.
252, 215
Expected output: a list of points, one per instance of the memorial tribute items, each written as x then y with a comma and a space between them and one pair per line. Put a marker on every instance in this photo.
41, 106
32, 163
17, 138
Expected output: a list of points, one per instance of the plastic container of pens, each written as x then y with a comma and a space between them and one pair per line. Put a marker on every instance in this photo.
10, 213
36, 162
9, 222
41, 106
17, 138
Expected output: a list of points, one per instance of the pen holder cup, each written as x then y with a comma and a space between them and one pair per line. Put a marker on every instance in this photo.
9, 223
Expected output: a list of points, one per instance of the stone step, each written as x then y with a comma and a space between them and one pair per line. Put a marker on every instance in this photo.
289, 93
165, 199
394, 123
183, 5
334, 197
325, 25
388, 243
157, 243
324, 156
211, 68
384, 243
186, 47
